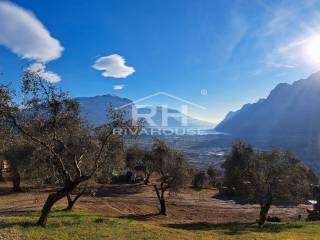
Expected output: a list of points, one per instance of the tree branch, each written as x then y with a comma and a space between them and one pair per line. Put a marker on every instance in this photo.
42, 143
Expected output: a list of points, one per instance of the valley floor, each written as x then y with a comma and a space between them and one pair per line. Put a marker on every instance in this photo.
129, 212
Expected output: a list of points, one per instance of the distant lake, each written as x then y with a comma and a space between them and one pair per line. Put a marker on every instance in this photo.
181, 131
208, 131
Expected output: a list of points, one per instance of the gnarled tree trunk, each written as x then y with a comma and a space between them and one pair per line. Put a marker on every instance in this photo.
55, 197
51, 200
160, 196
71, 201
146, 179
163, 210
16, 180
264, 209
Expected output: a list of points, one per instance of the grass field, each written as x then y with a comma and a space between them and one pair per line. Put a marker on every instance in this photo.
128, 212
83, 225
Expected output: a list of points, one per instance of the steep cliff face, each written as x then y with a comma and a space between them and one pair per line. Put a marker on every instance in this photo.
288, 117
289, 110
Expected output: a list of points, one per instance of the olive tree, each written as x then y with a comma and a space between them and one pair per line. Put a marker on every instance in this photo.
141, 159
113, 160
173, 170
19, 154
214, 175
51, 119
268, 176
5, 130
200, 179
2, 149
276, 175
234, 168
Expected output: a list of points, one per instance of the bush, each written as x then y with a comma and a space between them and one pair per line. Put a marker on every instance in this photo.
200, 179
214, 176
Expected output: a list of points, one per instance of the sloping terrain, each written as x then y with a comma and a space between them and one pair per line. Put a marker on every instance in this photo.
288, 118
139, 202
129, 212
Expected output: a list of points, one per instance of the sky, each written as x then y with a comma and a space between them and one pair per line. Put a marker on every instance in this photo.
217, 54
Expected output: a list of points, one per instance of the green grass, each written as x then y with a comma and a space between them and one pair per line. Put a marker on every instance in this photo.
83, 225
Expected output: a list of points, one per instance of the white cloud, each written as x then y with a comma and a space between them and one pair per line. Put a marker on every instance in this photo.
236, 30
118, 87
283, 15
25, 35
113, 66
280, 21
280, 65
40, 69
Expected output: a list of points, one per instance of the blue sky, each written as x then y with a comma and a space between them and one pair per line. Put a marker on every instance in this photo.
236, 50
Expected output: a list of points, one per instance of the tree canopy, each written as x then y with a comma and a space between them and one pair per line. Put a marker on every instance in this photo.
70, 151
266, 176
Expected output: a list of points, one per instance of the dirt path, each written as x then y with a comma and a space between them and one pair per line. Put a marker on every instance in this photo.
139, 202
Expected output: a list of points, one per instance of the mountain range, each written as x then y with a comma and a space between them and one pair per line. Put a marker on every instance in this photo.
288, 118
94, 110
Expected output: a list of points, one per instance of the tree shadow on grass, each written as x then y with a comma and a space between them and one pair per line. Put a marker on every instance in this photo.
30, 224
18, 213
56, 214
140, 217
24, 224
236, 228
54, 220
